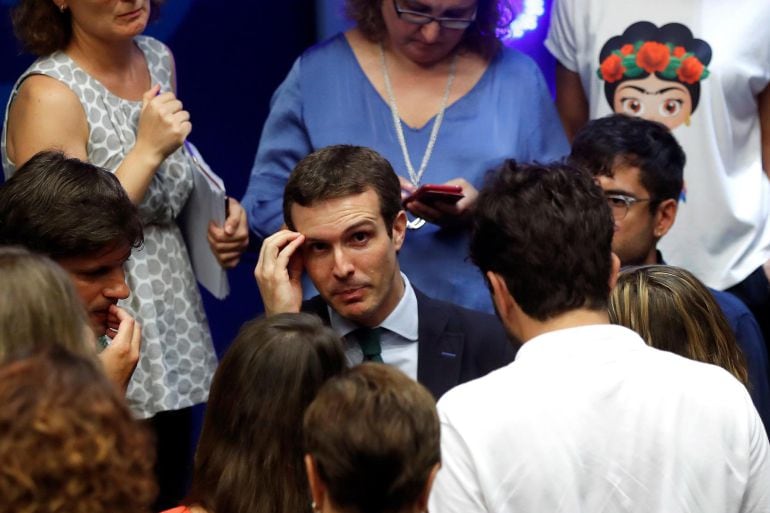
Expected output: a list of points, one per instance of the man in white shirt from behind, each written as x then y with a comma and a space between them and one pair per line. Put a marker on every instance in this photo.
587, 418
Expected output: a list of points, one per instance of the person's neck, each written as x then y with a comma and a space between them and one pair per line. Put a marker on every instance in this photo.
98, 56
531, 328
652, 257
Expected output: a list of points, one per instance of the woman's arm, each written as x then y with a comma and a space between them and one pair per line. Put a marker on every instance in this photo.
571, 101
163, 127
46, 114
764, 120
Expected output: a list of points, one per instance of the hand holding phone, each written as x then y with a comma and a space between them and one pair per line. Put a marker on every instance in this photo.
431, 194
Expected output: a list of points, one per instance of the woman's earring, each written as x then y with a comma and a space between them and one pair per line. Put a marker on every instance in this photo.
62, 7
687, 120
314, 506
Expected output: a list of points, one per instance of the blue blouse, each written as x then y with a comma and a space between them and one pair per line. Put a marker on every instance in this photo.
327, 99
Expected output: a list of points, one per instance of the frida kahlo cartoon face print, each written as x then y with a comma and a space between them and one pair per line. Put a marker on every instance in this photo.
654, 73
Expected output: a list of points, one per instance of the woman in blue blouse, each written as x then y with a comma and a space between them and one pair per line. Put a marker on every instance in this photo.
427, 84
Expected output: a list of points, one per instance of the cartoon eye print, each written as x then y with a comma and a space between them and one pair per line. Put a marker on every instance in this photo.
665, 101
670, 107
631, 106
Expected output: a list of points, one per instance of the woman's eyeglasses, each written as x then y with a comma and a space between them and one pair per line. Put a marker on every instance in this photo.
420, 18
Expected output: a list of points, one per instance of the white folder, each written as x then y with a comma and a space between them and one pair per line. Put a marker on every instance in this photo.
206, 203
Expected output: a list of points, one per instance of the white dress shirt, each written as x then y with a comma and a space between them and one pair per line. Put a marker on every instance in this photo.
593, 420
399, 335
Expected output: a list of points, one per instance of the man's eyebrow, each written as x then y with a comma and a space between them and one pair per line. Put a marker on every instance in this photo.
360, 224
352, 228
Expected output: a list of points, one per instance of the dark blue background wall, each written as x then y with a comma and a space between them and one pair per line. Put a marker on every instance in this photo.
230, 57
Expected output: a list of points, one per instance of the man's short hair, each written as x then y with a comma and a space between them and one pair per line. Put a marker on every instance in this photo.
63, 207
547, 231
343, 170
620, 140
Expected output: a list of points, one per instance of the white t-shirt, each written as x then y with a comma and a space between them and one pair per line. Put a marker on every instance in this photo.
722, 232
591, 419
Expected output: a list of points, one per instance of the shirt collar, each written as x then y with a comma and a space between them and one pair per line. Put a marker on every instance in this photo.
403, 320
581, 342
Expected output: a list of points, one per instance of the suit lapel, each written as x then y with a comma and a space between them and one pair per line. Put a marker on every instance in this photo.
440, 349
316, 305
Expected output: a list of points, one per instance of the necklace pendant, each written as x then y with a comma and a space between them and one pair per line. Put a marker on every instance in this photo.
415, 224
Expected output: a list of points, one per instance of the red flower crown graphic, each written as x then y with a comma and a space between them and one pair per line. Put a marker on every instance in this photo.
669, 61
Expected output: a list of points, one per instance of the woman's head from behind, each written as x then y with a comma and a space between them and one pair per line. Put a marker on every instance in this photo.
672, 310
372, 442
39, 306
249, 457
69, 442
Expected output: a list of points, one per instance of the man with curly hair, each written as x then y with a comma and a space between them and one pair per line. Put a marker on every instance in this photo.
588, 417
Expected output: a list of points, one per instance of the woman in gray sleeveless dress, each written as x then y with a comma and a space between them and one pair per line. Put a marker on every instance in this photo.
102, 92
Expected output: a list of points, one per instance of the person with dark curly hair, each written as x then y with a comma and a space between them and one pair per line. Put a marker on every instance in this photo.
69, 443
588, 417
428, 85
249, 456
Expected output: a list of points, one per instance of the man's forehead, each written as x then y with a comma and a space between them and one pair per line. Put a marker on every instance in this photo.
623, 177
113, 254
364, 205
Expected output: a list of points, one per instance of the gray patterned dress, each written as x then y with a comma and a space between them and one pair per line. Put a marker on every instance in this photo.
178, 358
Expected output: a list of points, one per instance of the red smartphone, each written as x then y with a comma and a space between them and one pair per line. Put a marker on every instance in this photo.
432, 193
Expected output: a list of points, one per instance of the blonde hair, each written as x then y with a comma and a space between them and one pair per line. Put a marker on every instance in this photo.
39, 306
672, 310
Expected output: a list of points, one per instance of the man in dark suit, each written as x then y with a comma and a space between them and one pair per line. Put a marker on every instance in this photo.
342, 206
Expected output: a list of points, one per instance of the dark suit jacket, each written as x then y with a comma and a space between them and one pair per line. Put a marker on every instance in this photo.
455, 344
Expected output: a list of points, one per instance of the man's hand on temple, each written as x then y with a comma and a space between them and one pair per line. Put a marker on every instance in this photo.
279, 272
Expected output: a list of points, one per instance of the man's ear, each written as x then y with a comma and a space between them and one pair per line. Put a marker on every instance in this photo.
317, 487
501, 297
614, 270
665, 215
399, 230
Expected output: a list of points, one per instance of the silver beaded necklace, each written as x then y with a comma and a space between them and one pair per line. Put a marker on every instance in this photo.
415, 177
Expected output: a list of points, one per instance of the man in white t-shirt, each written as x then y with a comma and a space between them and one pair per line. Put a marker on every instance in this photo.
702, 68
588, 417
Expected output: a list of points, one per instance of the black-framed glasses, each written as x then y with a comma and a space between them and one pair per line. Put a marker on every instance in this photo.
421, 18
620, 203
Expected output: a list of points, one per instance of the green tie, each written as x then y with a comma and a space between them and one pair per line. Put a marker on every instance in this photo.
369, 340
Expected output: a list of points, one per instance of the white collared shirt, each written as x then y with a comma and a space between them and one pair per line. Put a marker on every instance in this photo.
591, 419
399, 336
